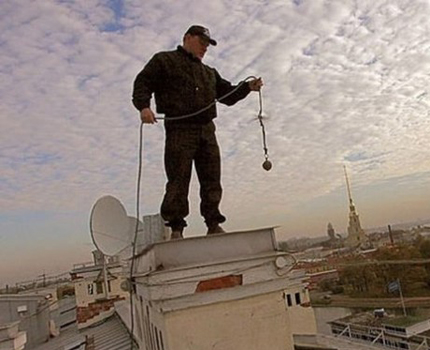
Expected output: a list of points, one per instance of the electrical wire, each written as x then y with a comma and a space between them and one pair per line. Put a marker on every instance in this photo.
213, 103
263, 130
38, 311
189, 279
139, 176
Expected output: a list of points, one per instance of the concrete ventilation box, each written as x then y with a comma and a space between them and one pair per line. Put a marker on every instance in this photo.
11, 338
225, 292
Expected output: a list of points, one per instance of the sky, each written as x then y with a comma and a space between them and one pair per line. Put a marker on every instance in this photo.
346, 84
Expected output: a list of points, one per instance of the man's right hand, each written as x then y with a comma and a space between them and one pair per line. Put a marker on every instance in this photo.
147, 116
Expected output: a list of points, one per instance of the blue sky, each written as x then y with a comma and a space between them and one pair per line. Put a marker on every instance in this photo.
346, 83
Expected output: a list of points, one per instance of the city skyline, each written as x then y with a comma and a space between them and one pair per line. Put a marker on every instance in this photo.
345, 84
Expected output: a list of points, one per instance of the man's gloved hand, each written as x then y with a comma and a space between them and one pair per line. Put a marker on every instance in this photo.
147, 116
256, 84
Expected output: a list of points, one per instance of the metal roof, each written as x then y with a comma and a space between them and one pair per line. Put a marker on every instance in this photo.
108, 335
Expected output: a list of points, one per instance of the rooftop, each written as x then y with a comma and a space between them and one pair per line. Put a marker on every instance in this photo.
207, 250
368, 319
406, 321
181, 274
109, 335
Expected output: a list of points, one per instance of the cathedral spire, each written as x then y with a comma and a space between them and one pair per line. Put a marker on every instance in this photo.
356, 235
351, 203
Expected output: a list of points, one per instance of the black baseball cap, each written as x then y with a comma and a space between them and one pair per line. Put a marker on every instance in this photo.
202, 32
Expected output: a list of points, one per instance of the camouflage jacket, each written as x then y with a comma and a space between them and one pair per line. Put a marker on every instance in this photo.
182, 84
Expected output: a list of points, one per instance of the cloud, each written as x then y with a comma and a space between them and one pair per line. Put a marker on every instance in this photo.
346, 82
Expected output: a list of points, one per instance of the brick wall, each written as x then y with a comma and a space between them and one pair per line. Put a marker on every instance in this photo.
83, 314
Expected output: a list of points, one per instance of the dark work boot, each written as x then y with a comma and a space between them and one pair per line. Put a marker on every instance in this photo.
214, 229
177, 233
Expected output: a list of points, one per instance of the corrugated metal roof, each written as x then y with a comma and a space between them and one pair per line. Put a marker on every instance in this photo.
66, 312
109, 335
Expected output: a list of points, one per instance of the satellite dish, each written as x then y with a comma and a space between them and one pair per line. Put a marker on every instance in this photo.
111, 229
281, 262
285, 264
141, 241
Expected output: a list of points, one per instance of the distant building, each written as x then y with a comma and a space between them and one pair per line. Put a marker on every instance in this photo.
387, 331
25, 314
334, 240
330, 231
356, 235
318, 277
49, 293
97, 287
423, 231
11, 338
227, 291
110, 334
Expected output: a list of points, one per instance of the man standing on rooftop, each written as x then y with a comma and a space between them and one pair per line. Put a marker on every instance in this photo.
185, 90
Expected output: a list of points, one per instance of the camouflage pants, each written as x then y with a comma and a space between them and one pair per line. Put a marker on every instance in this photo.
185, 144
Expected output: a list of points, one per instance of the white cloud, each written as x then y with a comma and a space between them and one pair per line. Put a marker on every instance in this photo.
345, 82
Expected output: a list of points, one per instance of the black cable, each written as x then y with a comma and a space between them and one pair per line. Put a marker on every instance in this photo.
185, 116
267, 164
263, 130
131, 286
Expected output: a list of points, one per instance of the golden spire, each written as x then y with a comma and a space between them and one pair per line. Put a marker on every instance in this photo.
351, 204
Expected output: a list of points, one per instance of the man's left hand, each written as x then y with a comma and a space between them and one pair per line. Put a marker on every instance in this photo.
256, 84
